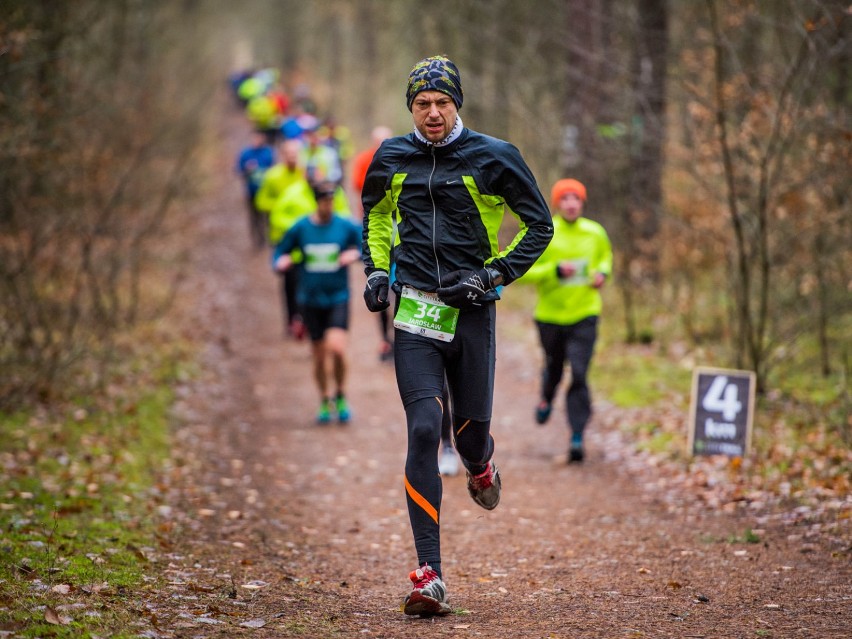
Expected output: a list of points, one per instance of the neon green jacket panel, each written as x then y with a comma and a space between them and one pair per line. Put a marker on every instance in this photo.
250, 88
275, 181
261, 112
566, 301
379, 235
297, 201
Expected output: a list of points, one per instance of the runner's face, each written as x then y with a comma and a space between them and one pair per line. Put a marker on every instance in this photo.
570, 207
290, 153
325, 207
434, 114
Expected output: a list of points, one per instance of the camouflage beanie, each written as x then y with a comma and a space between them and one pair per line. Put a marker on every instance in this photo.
436, 73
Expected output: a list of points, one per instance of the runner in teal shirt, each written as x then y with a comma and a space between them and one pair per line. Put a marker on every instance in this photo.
328, 244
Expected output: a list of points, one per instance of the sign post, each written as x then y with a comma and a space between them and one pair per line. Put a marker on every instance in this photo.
721, 412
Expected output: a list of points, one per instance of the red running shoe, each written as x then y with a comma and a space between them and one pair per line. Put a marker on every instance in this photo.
297, 329
429, 596
484, 488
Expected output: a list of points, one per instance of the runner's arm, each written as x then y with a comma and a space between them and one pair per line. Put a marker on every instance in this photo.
379, 207
285, 246
515, 182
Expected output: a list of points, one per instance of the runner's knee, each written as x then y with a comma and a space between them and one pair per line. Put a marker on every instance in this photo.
424, 423
335, 341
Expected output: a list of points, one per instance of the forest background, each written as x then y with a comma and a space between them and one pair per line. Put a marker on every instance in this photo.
713, 136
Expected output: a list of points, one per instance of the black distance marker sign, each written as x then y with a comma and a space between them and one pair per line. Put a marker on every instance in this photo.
721, 412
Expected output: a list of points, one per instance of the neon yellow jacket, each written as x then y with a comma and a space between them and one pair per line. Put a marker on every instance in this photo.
566, 301
275, 181
261, 112
294, 203
250, 88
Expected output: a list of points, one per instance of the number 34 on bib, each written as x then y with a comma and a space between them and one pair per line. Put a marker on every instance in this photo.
424, 314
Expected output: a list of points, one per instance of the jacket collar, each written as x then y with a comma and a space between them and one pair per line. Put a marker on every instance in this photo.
458, 127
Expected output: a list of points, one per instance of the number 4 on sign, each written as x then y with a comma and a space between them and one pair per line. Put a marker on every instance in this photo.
723, 397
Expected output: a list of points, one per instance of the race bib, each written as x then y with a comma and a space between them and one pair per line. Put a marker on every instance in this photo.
322, 258
580, 276
424, 314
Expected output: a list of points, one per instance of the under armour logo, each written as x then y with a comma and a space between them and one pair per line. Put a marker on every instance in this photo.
471, 295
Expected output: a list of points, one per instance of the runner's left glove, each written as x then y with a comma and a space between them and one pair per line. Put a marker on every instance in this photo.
376, 291
466, 288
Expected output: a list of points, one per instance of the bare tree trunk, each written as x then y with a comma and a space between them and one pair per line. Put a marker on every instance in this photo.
367, 16
649, 93
582, 81
743, 280
822, 305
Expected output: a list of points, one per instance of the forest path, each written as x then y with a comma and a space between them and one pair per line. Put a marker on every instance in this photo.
282, 528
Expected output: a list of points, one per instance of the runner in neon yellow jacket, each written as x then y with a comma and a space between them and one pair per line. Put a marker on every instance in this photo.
277, 179
568, 277
286, 171
262, 112
296, 201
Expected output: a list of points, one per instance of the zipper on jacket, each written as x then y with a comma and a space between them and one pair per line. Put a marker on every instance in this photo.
434, 217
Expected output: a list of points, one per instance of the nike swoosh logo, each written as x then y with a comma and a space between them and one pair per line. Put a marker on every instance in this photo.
451, 181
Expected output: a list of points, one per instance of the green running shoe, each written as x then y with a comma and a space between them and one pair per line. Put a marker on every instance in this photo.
324, 412
343, 412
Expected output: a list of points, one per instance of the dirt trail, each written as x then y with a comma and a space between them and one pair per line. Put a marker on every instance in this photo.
283, 528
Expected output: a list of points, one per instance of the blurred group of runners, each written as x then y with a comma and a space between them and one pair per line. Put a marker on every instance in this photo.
293, 169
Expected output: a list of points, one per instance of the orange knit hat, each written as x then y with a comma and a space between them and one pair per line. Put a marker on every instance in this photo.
567, 186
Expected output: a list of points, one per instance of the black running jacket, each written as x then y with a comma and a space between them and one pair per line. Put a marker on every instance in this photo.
448, 204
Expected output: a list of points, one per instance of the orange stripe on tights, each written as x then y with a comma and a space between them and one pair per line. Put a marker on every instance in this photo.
421, 501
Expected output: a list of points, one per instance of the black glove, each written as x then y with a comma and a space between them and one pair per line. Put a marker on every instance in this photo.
376, 292
466, 288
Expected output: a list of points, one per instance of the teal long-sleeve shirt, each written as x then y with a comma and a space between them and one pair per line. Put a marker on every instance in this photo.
566, 301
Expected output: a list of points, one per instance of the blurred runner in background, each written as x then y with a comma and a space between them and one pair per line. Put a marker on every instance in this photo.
359, 171
329, 244
252, 163
568, 277
448, 461
278, 179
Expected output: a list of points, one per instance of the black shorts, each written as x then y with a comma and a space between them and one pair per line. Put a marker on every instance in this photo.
468, 362
318, 319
